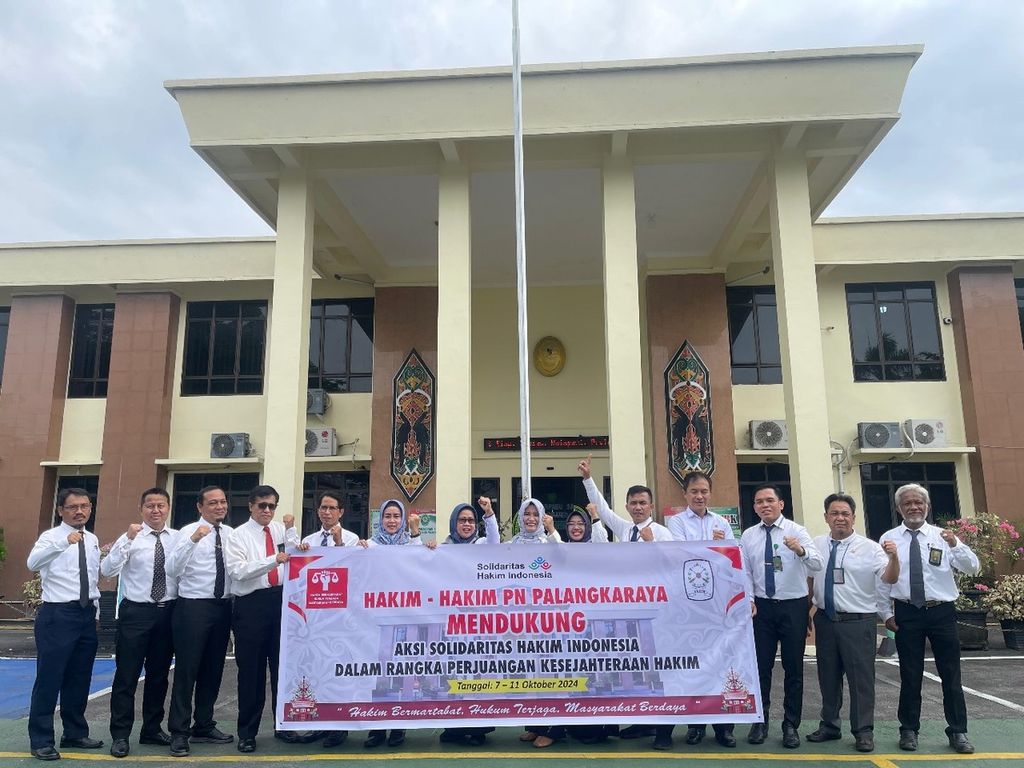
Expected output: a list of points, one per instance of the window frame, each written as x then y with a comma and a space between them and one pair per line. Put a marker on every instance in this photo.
5, 328
236, 487
891, 485
911, 361
1018, 288
774, 472
93, 383
236, 377
759, 367
357, 307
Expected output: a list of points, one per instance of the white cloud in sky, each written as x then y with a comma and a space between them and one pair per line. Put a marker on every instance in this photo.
92, 147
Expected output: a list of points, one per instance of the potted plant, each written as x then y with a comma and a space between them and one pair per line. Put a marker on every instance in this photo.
1006, 601
994, 541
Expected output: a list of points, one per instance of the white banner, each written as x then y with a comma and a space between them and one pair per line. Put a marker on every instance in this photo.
406, 637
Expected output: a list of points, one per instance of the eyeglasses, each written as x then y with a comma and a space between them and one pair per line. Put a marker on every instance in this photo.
267, 505
325, 508
77, 507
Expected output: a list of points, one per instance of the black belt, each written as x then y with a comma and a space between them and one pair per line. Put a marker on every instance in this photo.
779, 600
844, 616
927, 603
161, 604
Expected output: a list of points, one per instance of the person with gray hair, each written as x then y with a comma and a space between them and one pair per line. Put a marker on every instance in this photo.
919, 606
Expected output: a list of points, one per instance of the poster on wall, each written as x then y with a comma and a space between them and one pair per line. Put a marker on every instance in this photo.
408, 637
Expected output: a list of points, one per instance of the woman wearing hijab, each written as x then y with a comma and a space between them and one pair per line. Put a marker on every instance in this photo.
535, 527
463, 528
393, 533
581, 528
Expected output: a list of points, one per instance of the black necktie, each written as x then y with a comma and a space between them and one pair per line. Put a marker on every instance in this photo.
159, 590
218, 557
769, 563
916, 572
635, 535
830, 583
323, 538
83, 573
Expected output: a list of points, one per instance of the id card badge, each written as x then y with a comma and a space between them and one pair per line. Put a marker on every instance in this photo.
777, 563
934, 556
838, 576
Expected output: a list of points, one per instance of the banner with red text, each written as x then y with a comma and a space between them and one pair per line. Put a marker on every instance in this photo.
408, 637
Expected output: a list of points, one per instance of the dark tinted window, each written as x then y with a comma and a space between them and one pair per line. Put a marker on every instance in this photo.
354, 490
753, 475
5, 322
90, 483
236, 487
224, 346
341, 345
754, 335
880, 481
90, 350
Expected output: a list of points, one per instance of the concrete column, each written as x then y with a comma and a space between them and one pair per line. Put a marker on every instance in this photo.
803, 367
288, 342
454, 340
622, 330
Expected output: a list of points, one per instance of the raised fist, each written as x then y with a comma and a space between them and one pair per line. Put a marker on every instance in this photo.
288, 520
74, 537
646, 534
199, 533
133, 530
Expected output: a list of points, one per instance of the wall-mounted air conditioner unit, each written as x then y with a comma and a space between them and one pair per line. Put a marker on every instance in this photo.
768, 435
880, 434
230, 445
317, 402
926, 433
321, 442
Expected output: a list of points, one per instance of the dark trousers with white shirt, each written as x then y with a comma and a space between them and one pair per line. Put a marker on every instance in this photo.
937, 624
846, 646
256, 622
202, 628
144, 641
65, 635
782, 623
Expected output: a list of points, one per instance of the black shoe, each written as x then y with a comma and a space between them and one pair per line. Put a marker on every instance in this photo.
477, 739
863, 742
334, 738
375, 739
212, 736
397, 737
179, 746
449, 736
790, 738
663, 741
83, 743
823, 734
636, 732
908, 741
247, 745
758, 733
288, 737
694, 736
725, 738
45, 753
159, 738
961, 744
120, 748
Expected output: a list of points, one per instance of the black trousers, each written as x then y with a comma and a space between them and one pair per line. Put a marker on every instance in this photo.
256, 622
938, 625
782, 623
846, 648
66, 643
143, 641
201, 632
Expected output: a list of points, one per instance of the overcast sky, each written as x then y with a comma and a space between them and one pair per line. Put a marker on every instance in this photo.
92, 147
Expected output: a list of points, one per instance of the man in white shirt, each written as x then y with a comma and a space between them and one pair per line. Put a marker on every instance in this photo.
922, 609
697, 523
639, 504
255, 562
144, 636
68, 560
202, 623
845, 595
779, 556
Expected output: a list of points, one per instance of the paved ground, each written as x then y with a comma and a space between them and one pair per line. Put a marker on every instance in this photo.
993, 681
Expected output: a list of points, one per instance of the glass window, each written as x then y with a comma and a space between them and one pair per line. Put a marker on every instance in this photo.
894, 332
880, 481
753, 475
224, 346
1017, 284
236, 487
89, 483
5, 322
354, 489
90, 350
341, 345
754, 335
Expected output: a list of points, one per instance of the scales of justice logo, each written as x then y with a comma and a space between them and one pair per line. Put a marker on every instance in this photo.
699, 580
327, 588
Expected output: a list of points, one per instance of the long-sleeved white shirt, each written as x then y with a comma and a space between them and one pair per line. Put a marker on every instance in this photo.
246, 556
689, 526
316, 539
133, 561
939, 583
57, 563
194, 564
863, 562
622, 528
791, 581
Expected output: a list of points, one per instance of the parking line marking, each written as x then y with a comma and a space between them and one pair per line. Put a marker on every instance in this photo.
987, 696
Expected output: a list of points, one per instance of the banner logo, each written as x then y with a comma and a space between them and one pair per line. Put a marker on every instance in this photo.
698, 579
541, 563
327, 588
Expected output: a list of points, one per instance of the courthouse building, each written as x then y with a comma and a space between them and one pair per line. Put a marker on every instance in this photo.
687, 305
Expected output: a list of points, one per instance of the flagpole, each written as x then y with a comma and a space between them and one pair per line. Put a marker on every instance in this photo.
524, 343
